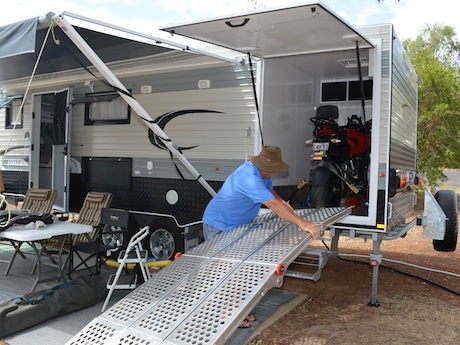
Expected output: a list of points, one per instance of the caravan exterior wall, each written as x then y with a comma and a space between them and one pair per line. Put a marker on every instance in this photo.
215, 142
398, 128
15, 144
216, 133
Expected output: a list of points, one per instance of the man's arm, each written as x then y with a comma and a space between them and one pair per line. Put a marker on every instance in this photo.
285, 211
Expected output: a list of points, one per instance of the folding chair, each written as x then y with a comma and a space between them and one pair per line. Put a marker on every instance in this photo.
91, 244
35, 201
39, 200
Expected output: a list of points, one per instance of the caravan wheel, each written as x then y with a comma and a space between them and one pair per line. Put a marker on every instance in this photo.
164, 240
447, 199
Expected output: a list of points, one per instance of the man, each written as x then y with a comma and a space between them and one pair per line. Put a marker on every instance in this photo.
243, 193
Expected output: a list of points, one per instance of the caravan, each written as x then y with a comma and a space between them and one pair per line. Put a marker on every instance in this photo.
161, 125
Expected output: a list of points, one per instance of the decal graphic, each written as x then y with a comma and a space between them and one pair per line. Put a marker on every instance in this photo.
162, 120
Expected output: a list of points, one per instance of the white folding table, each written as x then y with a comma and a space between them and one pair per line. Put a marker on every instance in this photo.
31, 236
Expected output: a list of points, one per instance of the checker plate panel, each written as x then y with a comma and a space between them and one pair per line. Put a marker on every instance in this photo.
201, 297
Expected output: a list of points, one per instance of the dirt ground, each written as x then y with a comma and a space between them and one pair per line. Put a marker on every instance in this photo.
411, 311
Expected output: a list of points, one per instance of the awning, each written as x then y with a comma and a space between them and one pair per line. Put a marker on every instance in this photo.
18, 62
18, 38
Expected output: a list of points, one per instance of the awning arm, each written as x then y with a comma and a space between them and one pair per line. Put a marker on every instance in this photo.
81, 44
157, 40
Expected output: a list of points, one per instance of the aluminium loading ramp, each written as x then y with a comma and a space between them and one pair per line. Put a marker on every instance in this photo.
202, 296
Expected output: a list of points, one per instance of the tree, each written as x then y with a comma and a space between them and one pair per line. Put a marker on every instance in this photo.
439, 40
435, 56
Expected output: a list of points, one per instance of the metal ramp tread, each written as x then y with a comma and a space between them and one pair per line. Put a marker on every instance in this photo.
202, 296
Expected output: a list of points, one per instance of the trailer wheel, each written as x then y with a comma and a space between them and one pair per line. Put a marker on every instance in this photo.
447, 199
164, 240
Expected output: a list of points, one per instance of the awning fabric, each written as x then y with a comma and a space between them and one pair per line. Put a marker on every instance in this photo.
18, 38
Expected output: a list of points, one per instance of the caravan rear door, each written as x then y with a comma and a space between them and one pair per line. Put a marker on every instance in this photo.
283, 31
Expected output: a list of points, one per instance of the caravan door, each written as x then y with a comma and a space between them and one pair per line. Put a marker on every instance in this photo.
49, 161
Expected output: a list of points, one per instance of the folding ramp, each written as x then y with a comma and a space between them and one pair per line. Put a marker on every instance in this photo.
202, 296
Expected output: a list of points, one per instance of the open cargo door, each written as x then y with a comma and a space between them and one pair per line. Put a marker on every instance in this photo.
282, 31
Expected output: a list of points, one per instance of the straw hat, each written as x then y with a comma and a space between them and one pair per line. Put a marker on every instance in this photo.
269, 159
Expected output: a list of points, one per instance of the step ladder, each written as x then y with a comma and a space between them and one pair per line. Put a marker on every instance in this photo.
133, 254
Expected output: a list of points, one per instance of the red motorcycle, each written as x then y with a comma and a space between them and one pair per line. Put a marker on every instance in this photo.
341, 156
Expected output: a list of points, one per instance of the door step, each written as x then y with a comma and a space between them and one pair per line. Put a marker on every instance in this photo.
307, 261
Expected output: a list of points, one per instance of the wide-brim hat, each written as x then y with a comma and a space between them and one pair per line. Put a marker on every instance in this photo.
270, 160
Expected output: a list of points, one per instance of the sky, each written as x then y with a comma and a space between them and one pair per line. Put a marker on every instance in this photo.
408, 16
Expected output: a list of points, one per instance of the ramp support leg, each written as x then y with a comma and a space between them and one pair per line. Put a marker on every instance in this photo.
375, 260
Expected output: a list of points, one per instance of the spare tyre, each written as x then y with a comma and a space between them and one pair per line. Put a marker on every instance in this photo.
447, 199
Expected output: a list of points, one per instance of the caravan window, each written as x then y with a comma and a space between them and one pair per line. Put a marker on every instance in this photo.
354, 90
11, 114
106, 108
336, 91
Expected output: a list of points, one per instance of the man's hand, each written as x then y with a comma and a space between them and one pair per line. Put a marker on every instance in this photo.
310, 227
285, 211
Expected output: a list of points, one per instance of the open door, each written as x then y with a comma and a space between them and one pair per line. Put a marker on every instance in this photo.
49, 161
282, 31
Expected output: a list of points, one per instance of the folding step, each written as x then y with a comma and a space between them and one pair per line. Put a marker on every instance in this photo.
125, 281
132, 257
307, 261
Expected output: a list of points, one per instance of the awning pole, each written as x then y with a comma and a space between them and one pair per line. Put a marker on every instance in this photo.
81, 44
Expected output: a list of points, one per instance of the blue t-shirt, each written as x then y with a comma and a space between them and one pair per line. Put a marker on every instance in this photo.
239, 199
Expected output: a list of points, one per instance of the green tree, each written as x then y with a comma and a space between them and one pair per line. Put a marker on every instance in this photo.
435, 56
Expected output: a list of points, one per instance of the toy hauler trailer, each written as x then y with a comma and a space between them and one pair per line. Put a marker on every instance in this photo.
305, 56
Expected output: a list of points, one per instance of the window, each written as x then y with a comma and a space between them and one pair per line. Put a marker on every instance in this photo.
106, 108
334, 91
11, 114
345, 91
354, 90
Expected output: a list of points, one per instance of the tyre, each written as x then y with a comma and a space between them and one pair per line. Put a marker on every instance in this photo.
326, 188
119, 239
447, 199
164, 240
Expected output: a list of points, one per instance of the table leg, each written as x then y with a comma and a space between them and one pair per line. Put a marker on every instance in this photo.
17, 250
38, 265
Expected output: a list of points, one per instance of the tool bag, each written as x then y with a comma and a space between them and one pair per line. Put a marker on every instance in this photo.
33, 308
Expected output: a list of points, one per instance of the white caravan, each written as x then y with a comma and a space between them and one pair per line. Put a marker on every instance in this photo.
161, 125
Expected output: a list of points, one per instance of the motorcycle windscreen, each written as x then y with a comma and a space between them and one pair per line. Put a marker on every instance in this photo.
281, 31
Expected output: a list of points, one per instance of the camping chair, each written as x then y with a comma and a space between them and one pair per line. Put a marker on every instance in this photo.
35, 201
39, 200
90, 214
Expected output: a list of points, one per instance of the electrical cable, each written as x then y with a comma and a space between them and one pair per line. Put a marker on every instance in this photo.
341, 256
3, 200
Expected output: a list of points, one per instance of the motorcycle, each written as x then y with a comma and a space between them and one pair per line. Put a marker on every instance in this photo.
340, 155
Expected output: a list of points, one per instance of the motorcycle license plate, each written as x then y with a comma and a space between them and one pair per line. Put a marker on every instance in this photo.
320, 146
319, 151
